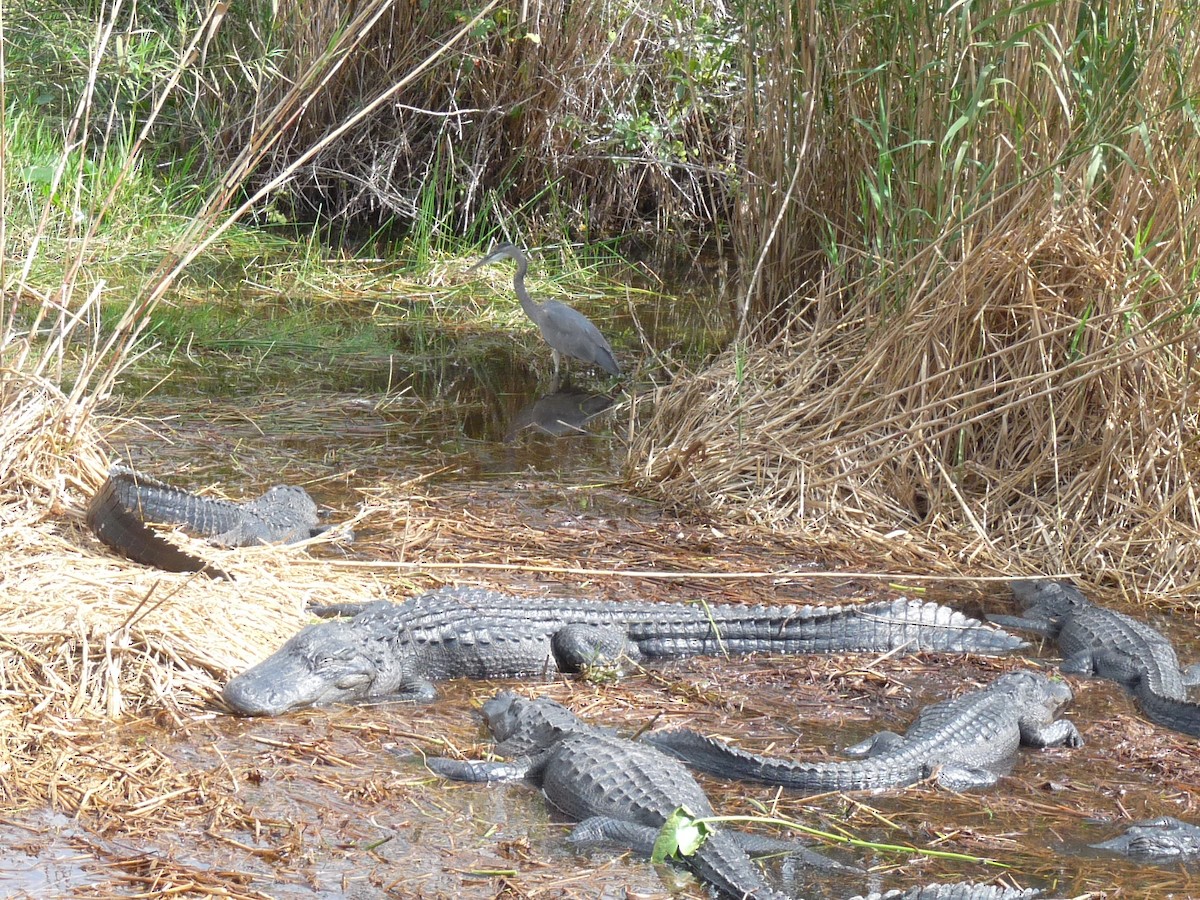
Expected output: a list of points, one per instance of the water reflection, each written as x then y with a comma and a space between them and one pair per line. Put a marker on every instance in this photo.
558, 414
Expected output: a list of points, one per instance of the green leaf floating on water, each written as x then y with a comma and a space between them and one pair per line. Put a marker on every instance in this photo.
681, 835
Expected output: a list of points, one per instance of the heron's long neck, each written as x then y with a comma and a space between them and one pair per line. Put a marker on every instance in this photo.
527, 304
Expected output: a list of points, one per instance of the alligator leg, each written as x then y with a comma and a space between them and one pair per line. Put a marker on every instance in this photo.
415, 690
1062, 733
964, 778
879, 743
576, 647
480, 770
600, 830
1111, 664
1021, 623
758, 845
347, 610
1191, 675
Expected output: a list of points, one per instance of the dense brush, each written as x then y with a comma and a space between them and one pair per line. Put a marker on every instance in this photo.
996, 341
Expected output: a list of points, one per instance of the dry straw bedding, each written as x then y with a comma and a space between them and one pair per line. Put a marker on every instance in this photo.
86, 637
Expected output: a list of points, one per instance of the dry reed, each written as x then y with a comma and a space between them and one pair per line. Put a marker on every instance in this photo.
994, 344
89, 637
1010, 414
569, 115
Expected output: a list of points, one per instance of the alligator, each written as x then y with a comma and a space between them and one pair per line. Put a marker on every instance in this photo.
396, 650
1097, 641
620, 791
1164, 838
961, 742
120, 510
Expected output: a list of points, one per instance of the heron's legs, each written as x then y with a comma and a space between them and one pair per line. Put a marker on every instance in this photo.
559, 362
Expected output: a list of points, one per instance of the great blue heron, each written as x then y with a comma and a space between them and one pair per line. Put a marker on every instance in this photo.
567, 331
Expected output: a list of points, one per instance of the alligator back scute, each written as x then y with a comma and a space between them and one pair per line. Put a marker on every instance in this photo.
598, 774
285, 513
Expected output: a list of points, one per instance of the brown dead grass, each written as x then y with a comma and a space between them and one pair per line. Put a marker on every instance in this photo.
996, 356
1025, 414
576, 115
86, 637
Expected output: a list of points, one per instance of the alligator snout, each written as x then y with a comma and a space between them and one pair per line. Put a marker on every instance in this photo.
248, 697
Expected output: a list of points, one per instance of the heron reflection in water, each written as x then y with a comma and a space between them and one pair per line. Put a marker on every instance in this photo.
558, 414
567, 331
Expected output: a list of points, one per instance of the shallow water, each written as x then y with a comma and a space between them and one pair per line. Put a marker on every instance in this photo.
337, 803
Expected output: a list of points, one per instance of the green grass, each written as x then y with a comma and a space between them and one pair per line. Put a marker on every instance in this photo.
106, 203
263, 309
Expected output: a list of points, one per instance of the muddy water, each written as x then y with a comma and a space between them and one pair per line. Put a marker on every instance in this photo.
337, 803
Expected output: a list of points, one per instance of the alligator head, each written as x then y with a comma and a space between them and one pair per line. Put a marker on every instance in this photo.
526, 727
1055, 598
1035, 689
331, 662
1164, 837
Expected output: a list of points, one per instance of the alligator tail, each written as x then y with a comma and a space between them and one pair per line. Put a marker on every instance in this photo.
723, 863
1180, 715
891, 625
725, 761
112, 520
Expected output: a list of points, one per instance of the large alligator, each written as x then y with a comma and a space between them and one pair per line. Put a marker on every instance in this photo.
1094, 640
962, 742
121, 509
390, 650
621, 792
1164, 839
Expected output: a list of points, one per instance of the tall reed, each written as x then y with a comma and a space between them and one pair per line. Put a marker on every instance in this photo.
996, 343
553, 115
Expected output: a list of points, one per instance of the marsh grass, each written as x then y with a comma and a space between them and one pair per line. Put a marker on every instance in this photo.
977, 320
557, 117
